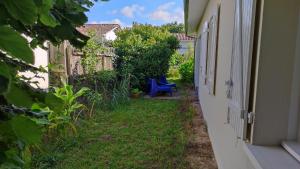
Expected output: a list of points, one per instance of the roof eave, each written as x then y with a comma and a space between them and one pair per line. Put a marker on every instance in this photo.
191, 26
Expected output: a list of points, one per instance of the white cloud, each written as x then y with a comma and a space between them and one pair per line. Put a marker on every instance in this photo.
130, 11
167, 13
114, 21
113, 12
166, 6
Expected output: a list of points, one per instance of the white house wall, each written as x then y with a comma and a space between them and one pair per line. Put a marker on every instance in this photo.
275, 71
184, 46
40, 59
227, 147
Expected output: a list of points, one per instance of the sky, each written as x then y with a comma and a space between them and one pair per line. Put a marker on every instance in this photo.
124, 12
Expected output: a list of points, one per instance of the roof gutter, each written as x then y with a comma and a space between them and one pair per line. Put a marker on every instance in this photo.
188, 28
186, 15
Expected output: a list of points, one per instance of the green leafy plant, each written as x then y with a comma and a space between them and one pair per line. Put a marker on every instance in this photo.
136, 91
186, 71
68, 97
60, 119
18, 134
92, 51
176, 59
107, 90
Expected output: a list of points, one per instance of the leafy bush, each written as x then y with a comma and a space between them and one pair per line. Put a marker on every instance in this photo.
94, 47
136, 91
186, 71
173, 73
107, 89
143, 51
176, 59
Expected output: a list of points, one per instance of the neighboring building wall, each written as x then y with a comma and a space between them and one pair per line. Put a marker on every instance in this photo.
228, 149
184, 46
40, 60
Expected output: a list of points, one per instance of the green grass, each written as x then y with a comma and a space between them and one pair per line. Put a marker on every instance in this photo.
143, 134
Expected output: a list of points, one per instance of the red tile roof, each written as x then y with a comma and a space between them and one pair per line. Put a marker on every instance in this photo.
100, 29
183, 37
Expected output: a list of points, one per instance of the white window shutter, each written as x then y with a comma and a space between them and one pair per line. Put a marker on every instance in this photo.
197, 63
212, 53
238, 85
203, 53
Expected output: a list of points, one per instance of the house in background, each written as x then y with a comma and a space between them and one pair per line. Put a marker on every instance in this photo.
107, 31
69, 58
247, 74
185, 42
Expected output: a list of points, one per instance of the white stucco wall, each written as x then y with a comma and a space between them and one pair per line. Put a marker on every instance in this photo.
275, 72
184, 46
276, 91
40, 59
228, 149
111, 35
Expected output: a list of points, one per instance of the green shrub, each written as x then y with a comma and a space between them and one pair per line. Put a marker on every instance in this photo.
176, 59
173, 73
107, 89
186, 71
61, 115
143, 51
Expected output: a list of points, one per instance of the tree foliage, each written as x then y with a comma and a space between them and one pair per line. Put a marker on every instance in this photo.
39, 21
174, 27
92, 51
144, 51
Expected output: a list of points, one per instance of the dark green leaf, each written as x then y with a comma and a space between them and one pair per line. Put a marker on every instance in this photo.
26, 129
45, 14
4, 84
54, 103
18, 97
22, 10
14, 44
48, 20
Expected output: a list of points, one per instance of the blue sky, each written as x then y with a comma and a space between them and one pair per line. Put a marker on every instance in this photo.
125, 12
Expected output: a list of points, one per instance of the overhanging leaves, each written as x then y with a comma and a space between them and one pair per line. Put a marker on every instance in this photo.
45, 14
31, 134
15, 45
22, 10
18, 97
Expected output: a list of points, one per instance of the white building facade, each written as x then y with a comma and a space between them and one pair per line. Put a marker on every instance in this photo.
247, 74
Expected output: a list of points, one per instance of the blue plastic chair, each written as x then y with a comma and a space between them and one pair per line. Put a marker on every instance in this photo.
163, 81
155, 88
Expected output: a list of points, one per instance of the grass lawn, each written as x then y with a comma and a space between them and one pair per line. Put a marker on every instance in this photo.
143, 134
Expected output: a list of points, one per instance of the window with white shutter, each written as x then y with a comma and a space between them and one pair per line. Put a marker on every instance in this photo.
203, 53
197, 62
238, 84
212, 52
